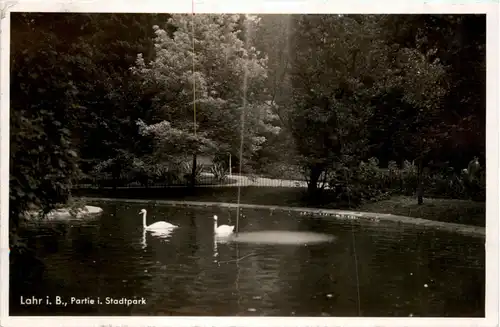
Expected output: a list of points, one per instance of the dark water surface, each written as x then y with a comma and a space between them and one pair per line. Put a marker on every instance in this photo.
371, 269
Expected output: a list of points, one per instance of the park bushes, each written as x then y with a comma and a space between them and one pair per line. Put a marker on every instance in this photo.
347, 182
145, 173
367, 181
219, 171
359, 183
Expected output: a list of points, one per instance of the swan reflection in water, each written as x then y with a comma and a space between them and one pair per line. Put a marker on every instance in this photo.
160, 234
219, 240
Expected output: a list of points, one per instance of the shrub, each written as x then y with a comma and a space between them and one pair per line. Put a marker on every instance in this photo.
409, 178
366, 181
394, 176
187, 169
476, 188
441, 183
360, 183
219, 171
146, 171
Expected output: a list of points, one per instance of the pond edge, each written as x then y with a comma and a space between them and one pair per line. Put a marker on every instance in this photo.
65, 213
467, 230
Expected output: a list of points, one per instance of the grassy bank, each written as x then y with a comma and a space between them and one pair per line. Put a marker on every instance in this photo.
454, 211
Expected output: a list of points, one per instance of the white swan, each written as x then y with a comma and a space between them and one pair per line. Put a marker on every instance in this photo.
159, 225
222, 230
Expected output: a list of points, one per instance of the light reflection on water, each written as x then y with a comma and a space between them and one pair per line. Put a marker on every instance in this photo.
281, 237
188, 272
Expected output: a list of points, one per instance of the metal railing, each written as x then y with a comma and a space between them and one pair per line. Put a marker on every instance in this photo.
203, 180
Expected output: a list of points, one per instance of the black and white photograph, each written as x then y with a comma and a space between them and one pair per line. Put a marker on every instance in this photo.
247, 164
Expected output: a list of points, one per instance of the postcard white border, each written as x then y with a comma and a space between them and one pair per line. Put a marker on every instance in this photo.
490, 7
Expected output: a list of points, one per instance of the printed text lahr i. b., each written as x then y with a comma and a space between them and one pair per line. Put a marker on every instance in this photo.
60, 301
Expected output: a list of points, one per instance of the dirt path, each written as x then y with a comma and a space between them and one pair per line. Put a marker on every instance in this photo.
263, 181
239, 181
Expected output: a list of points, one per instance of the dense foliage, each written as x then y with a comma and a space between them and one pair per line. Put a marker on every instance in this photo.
141, 98
206, 82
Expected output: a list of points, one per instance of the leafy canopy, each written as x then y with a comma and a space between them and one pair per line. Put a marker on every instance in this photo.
205, 83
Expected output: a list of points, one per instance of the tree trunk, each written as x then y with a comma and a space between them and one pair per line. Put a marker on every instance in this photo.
192, 182
401, 180
324, 179
114, 177
314, 175
420, 183
14, 219
116, 172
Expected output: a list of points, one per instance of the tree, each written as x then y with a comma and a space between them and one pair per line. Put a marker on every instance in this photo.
113, 98
43, 157
334, 67
455, 129
43, 160
67, 90
206, 79
459, 43
272, 36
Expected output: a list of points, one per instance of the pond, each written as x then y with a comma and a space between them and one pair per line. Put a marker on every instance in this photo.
370, 269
